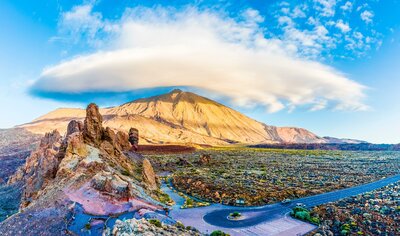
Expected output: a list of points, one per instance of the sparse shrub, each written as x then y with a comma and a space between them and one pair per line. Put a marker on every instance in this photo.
235, 214
218, 233
125, 172
189, 202
344, 232
315, 220
155, 222
179, 225
88, 226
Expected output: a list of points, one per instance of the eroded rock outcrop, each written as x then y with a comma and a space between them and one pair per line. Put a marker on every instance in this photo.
90, 161
93, 127
40, 167
149, 177
134, 138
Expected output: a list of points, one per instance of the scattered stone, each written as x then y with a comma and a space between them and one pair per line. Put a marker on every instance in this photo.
183, 162
143, 227
205, 159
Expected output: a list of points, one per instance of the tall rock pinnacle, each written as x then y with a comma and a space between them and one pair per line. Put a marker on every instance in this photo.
92, 128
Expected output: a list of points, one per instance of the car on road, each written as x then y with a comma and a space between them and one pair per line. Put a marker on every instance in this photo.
286, 201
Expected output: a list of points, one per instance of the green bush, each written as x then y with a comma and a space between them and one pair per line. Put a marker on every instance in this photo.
155, 222
189, 202
344, 232
315, 220
125, 172
218, 233
302, 215
235, 214
88, 226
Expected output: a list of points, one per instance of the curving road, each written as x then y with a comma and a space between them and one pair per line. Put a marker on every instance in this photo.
215, 216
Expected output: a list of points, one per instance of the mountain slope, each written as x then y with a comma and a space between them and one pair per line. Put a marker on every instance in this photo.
180, 117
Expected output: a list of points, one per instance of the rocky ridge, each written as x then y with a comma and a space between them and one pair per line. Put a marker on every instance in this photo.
91, 166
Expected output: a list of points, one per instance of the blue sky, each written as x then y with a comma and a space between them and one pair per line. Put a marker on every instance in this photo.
329, 66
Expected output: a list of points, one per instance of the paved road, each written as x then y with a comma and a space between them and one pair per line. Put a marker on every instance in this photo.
264, 220
254, 216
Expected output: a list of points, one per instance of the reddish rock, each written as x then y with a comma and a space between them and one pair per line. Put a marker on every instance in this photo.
122, 141
75, 145
134, 138
50, 139
109, 135
93, 128
74, 126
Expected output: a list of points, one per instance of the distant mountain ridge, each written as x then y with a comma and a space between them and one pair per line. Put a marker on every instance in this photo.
180, 117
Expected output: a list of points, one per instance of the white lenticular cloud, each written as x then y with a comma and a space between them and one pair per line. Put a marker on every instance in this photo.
231, 57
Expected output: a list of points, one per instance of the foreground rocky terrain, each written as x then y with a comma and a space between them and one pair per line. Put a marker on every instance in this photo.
180, 117
142, 227
91, 166
374, 213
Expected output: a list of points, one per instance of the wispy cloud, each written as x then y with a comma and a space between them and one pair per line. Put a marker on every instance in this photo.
324, 29
165, 47
344, 27
348, 6
367, 16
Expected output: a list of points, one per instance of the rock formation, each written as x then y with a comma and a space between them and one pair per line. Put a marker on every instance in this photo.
134, 138
40, 167
90, 161
93, 125
149, 177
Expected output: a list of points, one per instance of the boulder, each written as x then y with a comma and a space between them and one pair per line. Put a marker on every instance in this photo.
92, 127
205, 159
112, 184
183, 162
149, 177
134, 138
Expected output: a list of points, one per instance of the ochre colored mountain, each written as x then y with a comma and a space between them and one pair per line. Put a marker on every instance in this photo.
180, 117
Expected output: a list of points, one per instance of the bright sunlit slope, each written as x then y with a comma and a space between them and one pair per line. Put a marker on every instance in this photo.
180, 117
